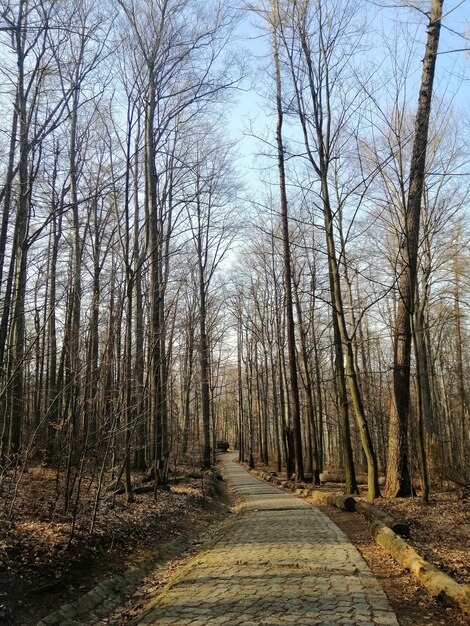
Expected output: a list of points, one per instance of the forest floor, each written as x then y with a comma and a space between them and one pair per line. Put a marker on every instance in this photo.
39, 572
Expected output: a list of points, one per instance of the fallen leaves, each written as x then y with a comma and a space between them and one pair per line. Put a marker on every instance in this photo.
440, 531
35, 563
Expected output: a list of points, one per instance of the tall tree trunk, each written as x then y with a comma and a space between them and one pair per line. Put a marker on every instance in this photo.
462, 395
139, 396
8, 288
10, 175
154, 249
249, 388
241, 421
398, 473
20, 251
53, 387
423, 393
204, 364
265, 386
91, 376
203, 339
72, 339
275, 399
289, 309
187, 383
347, 344
308, 391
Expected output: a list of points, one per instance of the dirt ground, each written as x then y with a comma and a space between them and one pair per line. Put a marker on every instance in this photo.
38, 572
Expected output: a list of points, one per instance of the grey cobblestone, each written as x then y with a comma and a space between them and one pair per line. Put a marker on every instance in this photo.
107, 596
283, 562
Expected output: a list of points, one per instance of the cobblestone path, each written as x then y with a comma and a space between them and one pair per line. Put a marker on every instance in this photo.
283, 562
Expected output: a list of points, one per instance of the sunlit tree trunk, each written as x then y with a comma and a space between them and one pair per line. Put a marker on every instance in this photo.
398, 472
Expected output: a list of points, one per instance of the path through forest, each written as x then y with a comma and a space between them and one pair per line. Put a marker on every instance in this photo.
283, 562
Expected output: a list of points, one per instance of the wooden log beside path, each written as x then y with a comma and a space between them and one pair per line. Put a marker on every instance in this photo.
376, 514
345, 503
339, 477
439, 584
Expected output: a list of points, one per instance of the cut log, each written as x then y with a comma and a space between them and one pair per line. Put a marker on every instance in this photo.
375, 514
287, 484
339, 477
345, 503
438, 584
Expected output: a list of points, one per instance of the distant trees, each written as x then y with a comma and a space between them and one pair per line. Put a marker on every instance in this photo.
212, 231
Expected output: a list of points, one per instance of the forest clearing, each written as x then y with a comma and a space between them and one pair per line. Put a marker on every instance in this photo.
232, 224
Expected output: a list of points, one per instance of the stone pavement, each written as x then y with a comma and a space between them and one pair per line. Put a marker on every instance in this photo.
283, 562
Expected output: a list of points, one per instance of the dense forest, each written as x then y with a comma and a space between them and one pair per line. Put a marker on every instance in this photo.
155, 300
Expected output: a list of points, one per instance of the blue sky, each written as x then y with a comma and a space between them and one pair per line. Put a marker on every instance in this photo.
452, 78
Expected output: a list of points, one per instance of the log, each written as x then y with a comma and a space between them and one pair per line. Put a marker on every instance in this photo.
339, 477
375, 514
288, 484
438, 584
345, 503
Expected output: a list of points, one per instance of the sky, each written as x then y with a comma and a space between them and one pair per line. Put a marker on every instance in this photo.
250, 117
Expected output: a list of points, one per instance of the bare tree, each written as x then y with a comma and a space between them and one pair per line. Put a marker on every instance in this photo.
212, 234
398, 473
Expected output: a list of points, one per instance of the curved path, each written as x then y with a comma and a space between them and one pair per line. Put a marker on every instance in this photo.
282, 562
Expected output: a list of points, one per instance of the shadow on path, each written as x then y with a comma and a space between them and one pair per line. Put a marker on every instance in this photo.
282, 562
